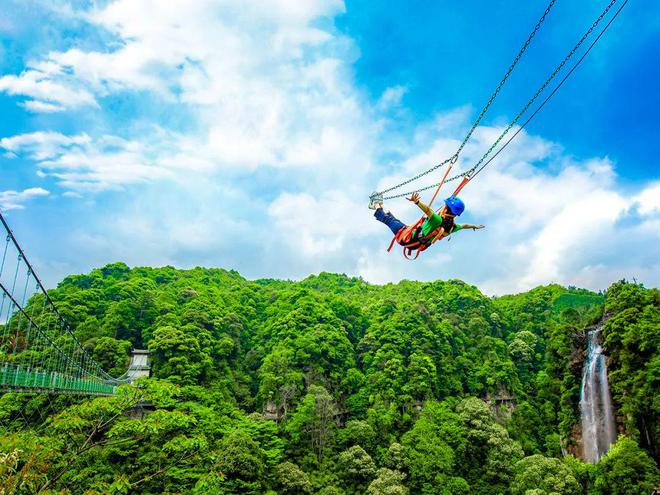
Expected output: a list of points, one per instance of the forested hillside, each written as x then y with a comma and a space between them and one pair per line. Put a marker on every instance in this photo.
334, 386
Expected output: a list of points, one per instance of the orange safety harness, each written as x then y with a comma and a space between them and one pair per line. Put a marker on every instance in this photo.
410, 237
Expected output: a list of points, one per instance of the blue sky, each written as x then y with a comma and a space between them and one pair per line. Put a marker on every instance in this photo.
248, 135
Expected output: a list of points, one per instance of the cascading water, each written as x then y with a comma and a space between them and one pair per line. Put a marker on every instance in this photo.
598, 426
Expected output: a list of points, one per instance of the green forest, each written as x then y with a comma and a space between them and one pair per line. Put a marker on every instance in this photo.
334, 386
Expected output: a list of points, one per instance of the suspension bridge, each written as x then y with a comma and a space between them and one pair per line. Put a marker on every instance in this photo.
39, 352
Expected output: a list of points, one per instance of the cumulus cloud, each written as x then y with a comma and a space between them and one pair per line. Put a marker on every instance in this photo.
15, 200
280, 149
42, 145
47, 94
321, 225
648, 200
262, 83
85, 164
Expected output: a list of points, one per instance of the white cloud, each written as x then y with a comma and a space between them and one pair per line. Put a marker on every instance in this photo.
260, 82
14, 200
48, 94
41, 107
391, 97
649, 199
271, 171
321, 225
247, 60
42, 145
81, 163
562, 222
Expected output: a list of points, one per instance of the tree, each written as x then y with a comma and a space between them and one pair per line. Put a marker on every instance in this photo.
547, 475
312, 424
112, 354
331, 490
490, 453
430, 461
421, 377
292, 480
357, 467
177, 355
358, 432
24, 464
355, 373
626, 469
281, 382
388, 482
241, 461
394, 457
81, 443
632, 343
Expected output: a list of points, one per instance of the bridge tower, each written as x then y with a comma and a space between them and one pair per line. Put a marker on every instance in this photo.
139, 366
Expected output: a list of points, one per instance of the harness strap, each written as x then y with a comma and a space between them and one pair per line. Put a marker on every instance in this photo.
463, 183
405, 234
440, 185
409, 254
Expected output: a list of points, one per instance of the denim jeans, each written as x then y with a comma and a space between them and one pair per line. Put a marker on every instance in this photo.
390, 220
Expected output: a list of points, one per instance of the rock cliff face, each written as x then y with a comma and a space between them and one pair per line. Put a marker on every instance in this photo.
573, 445
502, 404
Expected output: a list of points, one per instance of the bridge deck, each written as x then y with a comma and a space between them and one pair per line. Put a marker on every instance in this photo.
17, 379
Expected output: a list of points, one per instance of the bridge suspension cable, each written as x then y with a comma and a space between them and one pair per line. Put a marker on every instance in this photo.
38, 350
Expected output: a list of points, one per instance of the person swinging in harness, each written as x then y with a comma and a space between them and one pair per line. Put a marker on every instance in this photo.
434, 227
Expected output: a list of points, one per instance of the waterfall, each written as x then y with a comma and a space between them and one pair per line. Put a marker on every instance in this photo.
598, 426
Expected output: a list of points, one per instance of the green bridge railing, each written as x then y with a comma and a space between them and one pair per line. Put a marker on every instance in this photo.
39, 351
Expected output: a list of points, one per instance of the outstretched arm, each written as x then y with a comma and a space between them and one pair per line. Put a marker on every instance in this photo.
470, 226
415, 199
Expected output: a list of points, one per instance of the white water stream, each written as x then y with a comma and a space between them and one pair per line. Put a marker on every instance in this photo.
598, 426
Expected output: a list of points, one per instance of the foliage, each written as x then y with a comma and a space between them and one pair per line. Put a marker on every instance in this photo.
292, 479
388, 482
334, 386
632, 341
546, 475
626, 469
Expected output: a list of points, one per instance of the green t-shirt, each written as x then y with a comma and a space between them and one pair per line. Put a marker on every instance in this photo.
433, 222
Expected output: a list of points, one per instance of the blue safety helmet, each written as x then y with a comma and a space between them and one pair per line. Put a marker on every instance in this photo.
455, 205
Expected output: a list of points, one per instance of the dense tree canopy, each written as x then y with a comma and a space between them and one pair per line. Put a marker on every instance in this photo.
334, 386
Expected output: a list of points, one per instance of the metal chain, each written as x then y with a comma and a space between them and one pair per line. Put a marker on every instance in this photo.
418, 176
506, 76
476, 123
529, 103
402, 195
552, 93
543, 86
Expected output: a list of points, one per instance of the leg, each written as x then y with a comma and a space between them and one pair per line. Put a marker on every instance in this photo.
389, 220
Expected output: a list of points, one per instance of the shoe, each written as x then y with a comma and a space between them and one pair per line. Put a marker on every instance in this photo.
375, 201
